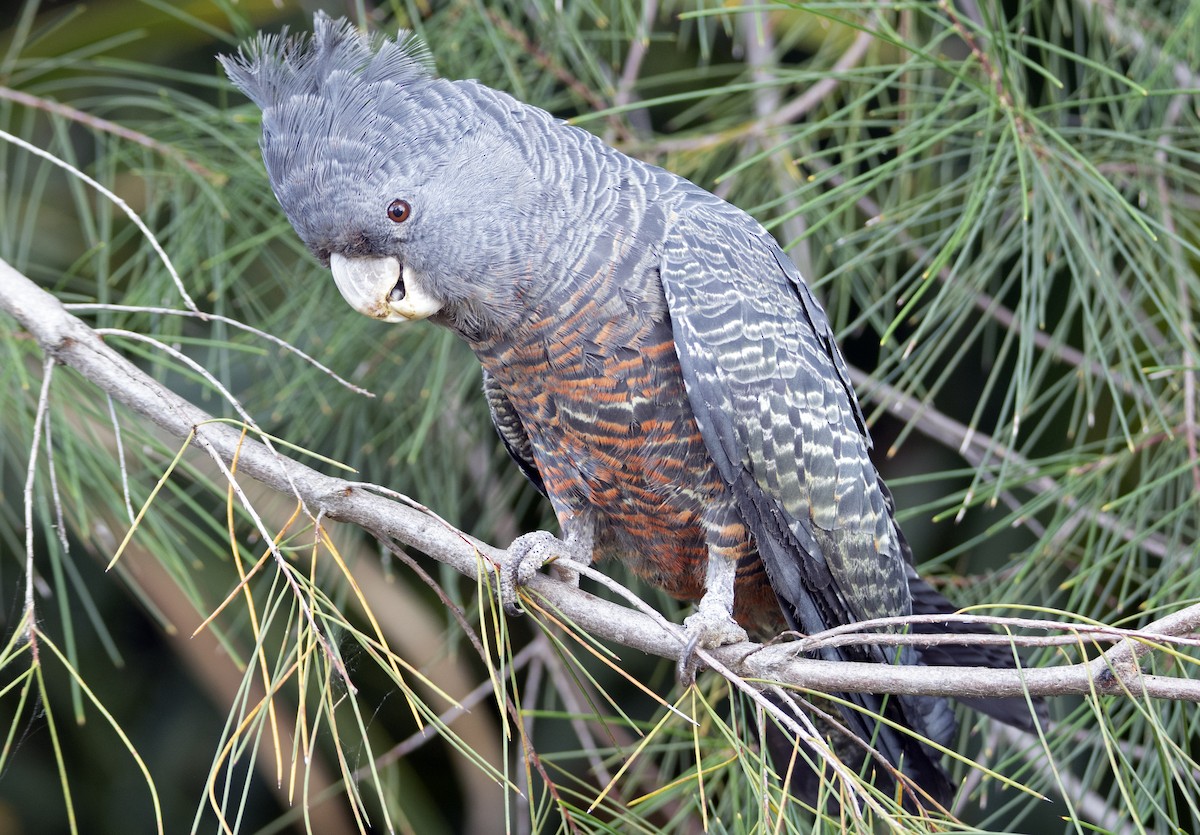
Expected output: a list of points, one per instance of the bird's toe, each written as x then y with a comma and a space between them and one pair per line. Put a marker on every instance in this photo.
708, 627
528, 553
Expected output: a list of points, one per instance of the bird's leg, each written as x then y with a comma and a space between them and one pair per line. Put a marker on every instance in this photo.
531, 551
712, 624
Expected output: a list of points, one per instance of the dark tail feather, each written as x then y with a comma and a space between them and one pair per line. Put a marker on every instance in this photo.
927, 601
1012, 710
806, 608
917, 761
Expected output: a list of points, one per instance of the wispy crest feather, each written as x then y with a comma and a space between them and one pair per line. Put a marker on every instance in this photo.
273, 68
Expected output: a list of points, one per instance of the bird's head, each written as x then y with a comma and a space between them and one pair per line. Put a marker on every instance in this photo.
417, 201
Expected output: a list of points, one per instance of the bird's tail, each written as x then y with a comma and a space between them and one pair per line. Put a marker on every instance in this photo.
873, 749
1017, 711
931, 718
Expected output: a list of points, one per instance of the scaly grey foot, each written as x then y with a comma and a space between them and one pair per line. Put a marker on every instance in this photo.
528, 553
710, 626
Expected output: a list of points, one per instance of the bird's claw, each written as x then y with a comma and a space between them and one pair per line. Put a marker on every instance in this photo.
710, 626
528, 553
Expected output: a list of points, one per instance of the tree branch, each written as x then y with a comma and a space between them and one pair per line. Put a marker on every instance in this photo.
69, 341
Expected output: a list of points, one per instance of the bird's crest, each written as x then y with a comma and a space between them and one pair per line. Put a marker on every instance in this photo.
329, 101
273, 68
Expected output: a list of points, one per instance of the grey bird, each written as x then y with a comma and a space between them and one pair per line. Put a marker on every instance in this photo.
652, 359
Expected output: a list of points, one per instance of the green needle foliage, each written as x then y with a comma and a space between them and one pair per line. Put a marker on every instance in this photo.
999, 202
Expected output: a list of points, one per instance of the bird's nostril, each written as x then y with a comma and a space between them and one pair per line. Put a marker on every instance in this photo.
397, 292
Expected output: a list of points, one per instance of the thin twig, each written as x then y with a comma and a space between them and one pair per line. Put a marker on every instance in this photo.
865, 632
105, 126
760, 56
637, 53
976, 447
991, 306
120, 450
60, 525
981, 55
215, 317
120, 204
548, 63
816, 93
807, 101
30, 478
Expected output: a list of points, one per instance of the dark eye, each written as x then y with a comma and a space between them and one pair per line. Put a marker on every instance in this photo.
398, 211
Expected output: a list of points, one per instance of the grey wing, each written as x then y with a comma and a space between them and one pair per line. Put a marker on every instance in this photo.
511, 431
773, 402
772, 398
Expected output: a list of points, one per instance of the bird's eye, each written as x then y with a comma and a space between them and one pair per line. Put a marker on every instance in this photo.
398, 211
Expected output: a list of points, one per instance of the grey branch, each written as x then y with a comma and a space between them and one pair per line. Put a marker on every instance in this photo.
68, 340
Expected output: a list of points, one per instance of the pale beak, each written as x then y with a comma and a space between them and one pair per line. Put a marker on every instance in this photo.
377, 287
